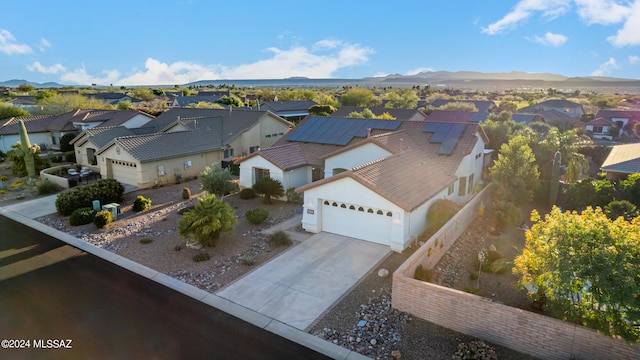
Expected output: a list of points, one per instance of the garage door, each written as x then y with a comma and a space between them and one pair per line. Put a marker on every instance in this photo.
125, 172
357, 221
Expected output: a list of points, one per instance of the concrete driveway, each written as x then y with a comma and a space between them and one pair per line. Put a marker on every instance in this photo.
298, 286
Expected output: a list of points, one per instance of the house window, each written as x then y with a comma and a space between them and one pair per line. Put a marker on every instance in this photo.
268, 136
463, 186
370, 211
597, 129
343, 206
360, 208
228, 153
379, 212
352, 207
452, 188
260, 174
389, 214
253, 149
470, 189
334, 204
317, 174
326, 202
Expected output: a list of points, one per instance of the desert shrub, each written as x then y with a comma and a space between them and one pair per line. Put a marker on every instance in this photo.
103, 218
293, 196
622, 208
248, 259
423, 274
257, 216
247, 193
439, 213
70, 156
82, 216
185, 209
475, 350
146, 241
201, 256
141, 203
269, 188
47, 187
500, 266
494, 262
65, 140
504, 213
279, 238
186, 193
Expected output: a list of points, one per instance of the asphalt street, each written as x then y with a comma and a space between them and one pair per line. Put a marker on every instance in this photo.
52, 291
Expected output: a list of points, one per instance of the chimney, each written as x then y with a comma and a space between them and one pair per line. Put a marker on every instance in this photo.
368, 133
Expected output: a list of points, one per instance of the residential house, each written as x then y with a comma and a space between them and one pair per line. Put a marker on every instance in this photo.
560, 113
88, 142
113, 98
622, 161
457, 116
184, 101
195, 139
372, 179
398, 114
293, 111
527, 118
47, 130
28, 103
625, 120
36, 127
601, 128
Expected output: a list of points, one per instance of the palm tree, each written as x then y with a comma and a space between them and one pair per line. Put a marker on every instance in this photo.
207, 221
269, 187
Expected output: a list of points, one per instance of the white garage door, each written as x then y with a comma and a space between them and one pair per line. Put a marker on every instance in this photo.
357, 221
125, 172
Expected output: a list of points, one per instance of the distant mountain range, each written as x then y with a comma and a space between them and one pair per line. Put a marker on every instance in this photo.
459, 79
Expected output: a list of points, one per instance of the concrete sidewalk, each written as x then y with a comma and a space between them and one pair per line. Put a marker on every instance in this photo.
298, 286
35, 208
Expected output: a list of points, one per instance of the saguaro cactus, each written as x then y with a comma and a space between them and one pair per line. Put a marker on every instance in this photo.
555, 179
27, 151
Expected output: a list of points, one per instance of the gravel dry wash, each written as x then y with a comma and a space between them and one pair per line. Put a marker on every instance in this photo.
168, 252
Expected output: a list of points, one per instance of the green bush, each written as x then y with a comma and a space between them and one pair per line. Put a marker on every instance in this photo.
423, 274
439, 213
104, 190
293, 196
279, 238
48, 187
201, 256
82, 216
247, 193
248, 259
141, 203
103, 218
70, 156
257, 216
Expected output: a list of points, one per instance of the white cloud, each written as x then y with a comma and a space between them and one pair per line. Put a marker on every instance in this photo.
53, 69
551, 39
604, 12
630, 33
44, 44
296, 61
523, 10
299, 61
634, 59
80, 76
419, 70
9, 46
606, 68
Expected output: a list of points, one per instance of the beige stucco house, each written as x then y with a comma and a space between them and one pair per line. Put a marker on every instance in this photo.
197, 138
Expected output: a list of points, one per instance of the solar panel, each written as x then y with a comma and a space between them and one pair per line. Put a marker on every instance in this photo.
338, 131
441, 133
430, 127
451, 139
478, 116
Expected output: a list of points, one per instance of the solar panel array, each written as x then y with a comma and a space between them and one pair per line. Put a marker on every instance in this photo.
338, 131
446, 134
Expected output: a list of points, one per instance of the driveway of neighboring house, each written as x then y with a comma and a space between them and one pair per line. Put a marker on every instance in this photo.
299, 285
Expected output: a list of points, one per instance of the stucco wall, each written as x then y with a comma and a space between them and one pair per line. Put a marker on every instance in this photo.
149, 171
354, 157
247, 174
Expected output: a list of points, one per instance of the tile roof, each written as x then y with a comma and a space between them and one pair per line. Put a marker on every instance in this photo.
415, 173
288, 107
144, 148
188, 100
235, 120
101, 136
33, 124
623, 159
65, 121
526, 118
600, 121
450, 116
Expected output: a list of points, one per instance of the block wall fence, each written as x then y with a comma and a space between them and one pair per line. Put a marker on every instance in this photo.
524, 331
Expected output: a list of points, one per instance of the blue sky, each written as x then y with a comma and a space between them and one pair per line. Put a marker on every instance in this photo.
180, 41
